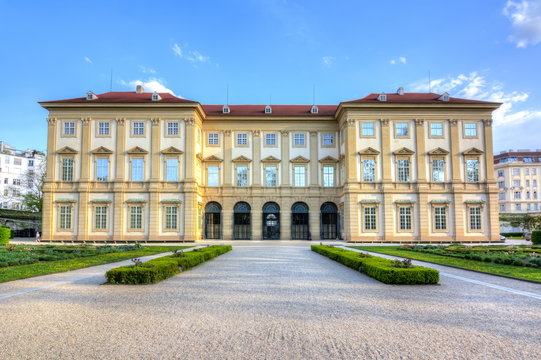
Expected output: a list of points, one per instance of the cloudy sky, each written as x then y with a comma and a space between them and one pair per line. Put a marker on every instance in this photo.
274, 51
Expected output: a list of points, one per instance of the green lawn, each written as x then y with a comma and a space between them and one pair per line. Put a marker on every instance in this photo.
25, 271
517, 272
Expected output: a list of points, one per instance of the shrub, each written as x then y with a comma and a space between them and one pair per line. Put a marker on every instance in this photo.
379, 268
536, 237
512, 234
5, 234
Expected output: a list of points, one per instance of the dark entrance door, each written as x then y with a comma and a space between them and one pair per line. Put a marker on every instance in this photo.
299, 221
213, 221
242, 221
329, 221
271, 221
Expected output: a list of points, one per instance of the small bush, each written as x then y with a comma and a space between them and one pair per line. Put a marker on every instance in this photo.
5, 234
512, 234
536, 237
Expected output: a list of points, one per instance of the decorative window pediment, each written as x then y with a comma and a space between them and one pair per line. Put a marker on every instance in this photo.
300, 160
369, 151
242, 158
270, 159
171, 150
473, 151
212, 158
328, 159
404, 151
137, 151
438, 151
102, 150
66, 150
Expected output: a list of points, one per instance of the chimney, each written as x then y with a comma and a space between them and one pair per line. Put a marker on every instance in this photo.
400, 91
139, 89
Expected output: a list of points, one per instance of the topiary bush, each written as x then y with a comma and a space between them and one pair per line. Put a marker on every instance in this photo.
378, 268
536, 237
5, 234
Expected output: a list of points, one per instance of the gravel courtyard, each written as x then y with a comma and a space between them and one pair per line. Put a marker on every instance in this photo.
270, 301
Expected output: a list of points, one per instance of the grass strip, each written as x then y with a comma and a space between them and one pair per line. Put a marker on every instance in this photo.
43, 268
515, 272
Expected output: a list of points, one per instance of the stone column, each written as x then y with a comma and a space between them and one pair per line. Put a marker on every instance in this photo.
227, 219
190, 186
455, 151
314, 161
459, 216
386, 155
83, 204
120, 177
284, 143
492, 190
256, 158
154, 202
420, 150
257, 221
351, 152
389, 218
285, 222
314, 219
227, 165
47, 228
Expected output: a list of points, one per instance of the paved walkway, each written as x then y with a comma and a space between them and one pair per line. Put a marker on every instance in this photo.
273, 301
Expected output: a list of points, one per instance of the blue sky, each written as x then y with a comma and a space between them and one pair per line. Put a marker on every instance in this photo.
271, 50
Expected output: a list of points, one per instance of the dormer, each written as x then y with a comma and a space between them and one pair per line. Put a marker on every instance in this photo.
382, 97
156, 96
314, 109
91, 96
226, 109
400, 91
268, 109
444, 97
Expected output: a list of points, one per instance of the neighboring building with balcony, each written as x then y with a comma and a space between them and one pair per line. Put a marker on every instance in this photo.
139, 166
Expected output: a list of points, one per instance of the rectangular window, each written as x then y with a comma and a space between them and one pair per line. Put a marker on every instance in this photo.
517, 194
212, 176
6, 181
171, 217
405, 218
516, 183
213, 139
516, 171
172, 128
137, 169
100, 219
370, 218
535, 194
139, 128
102, 170
328, 176
518, 207
328, 140
367, 129
404, 170
440, 218
369, 170
501, 184
534, 171
69, 128
529, 207
472, 170
6, 160
270, 175
500, 173
534, 183
299, 173
527, 183
136, 217
402, 129
535, 207
438, 170
475, 218
16, 181
502, 207
30, 162
502, 196
526, 171
103, 128
270, 139
65, 217
436, 129
527, 194
171, 169
242, 175
17, 161
242, 139
298, 139
470, 129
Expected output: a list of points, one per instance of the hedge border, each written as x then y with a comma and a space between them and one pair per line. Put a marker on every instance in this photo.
378, 268
5, 235
164, 267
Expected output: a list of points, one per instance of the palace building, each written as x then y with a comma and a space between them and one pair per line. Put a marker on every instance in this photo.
140, 166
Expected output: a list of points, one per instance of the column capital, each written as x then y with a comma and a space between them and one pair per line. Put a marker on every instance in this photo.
257, 132
51, 121
284, 133
351, 122
155, 121
487, 122
313, 133
454, 122
120, 121
86, 121
419, 122
190, 121
384, 122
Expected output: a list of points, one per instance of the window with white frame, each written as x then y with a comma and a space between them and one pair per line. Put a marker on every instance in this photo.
403, 170
502, 196
436, 129
65, 217
528, 207
242, 175
527, 194
405, 213
213, 139
69, 128
535, 194
517, 195
369, 170
102, 169
136, 217
472, 170
242, 139
328, 176
438, 170
518, 207
526, 171
500, 173
100, 217
172, 128
440, 218
527, 183
270, 175
516, 171
103, 128
501, 184
298, 139
370, 218
534, 183
171, 169
6, 159
502, 207
139, 128
534, 171
475, 218
328, 140
137, 169
402, 129
536, 207
171, 217
270, 139
516, 183
17, 162
212, 176
299, 176
470, 129
368, 129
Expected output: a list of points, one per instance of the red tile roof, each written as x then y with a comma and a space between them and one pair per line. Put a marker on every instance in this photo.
116, 97
277, 110
414, 98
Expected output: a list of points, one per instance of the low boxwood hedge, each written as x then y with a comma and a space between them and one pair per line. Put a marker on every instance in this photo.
536, 237
5, 233
164, 267
379, 268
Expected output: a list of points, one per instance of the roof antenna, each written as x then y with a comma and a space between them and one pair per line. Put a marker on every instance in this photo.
429, 83
111, 81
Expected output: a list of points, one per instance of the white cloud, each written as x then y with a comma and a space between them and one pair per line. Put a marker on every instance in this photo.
192, 56
150, 85
177, 50
525, 16
401, 60
87, 59
146, 70
328, 61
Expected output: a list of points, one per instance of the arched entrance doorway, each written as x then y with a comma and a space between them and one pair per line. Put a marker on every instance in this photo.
242, 221
271, 221
213, 221
329, 221
299, 221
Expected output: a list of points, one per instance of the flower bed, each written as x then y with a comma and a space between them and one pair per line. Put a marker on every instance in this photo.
164, 267
384, 270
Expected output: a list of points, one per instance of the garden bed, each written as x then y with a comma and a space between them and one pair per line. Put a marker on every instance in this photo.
384, 270
164, 267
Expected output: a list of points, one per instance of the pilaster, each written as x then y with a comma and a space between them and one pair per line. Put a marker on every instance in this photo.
84, 213
257, 222
388, 220
351, 151
227, 219
85, 150
154, 204
285, 222
314, 220
455, 151
459, 216
420, 150
314, 163
284, 142
425, 213
118, 213
228, 149
120, 150
256, 162
47, 228
386, 155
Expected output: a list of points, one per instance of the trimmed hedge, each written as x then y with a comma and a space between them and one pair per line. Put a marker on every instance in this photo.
5, 235
536, 237
512, 234
164, 267
379, 268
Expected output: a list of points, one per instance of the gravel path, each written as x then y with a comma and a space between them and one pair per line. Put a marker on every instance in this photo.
272, 301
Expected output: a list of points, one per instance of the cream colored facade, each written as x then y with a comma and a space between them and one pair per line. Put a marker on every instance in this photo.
401, 201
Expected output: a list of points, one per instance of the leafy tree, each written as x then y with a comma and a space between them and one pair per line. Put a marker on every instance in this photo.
33, 198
